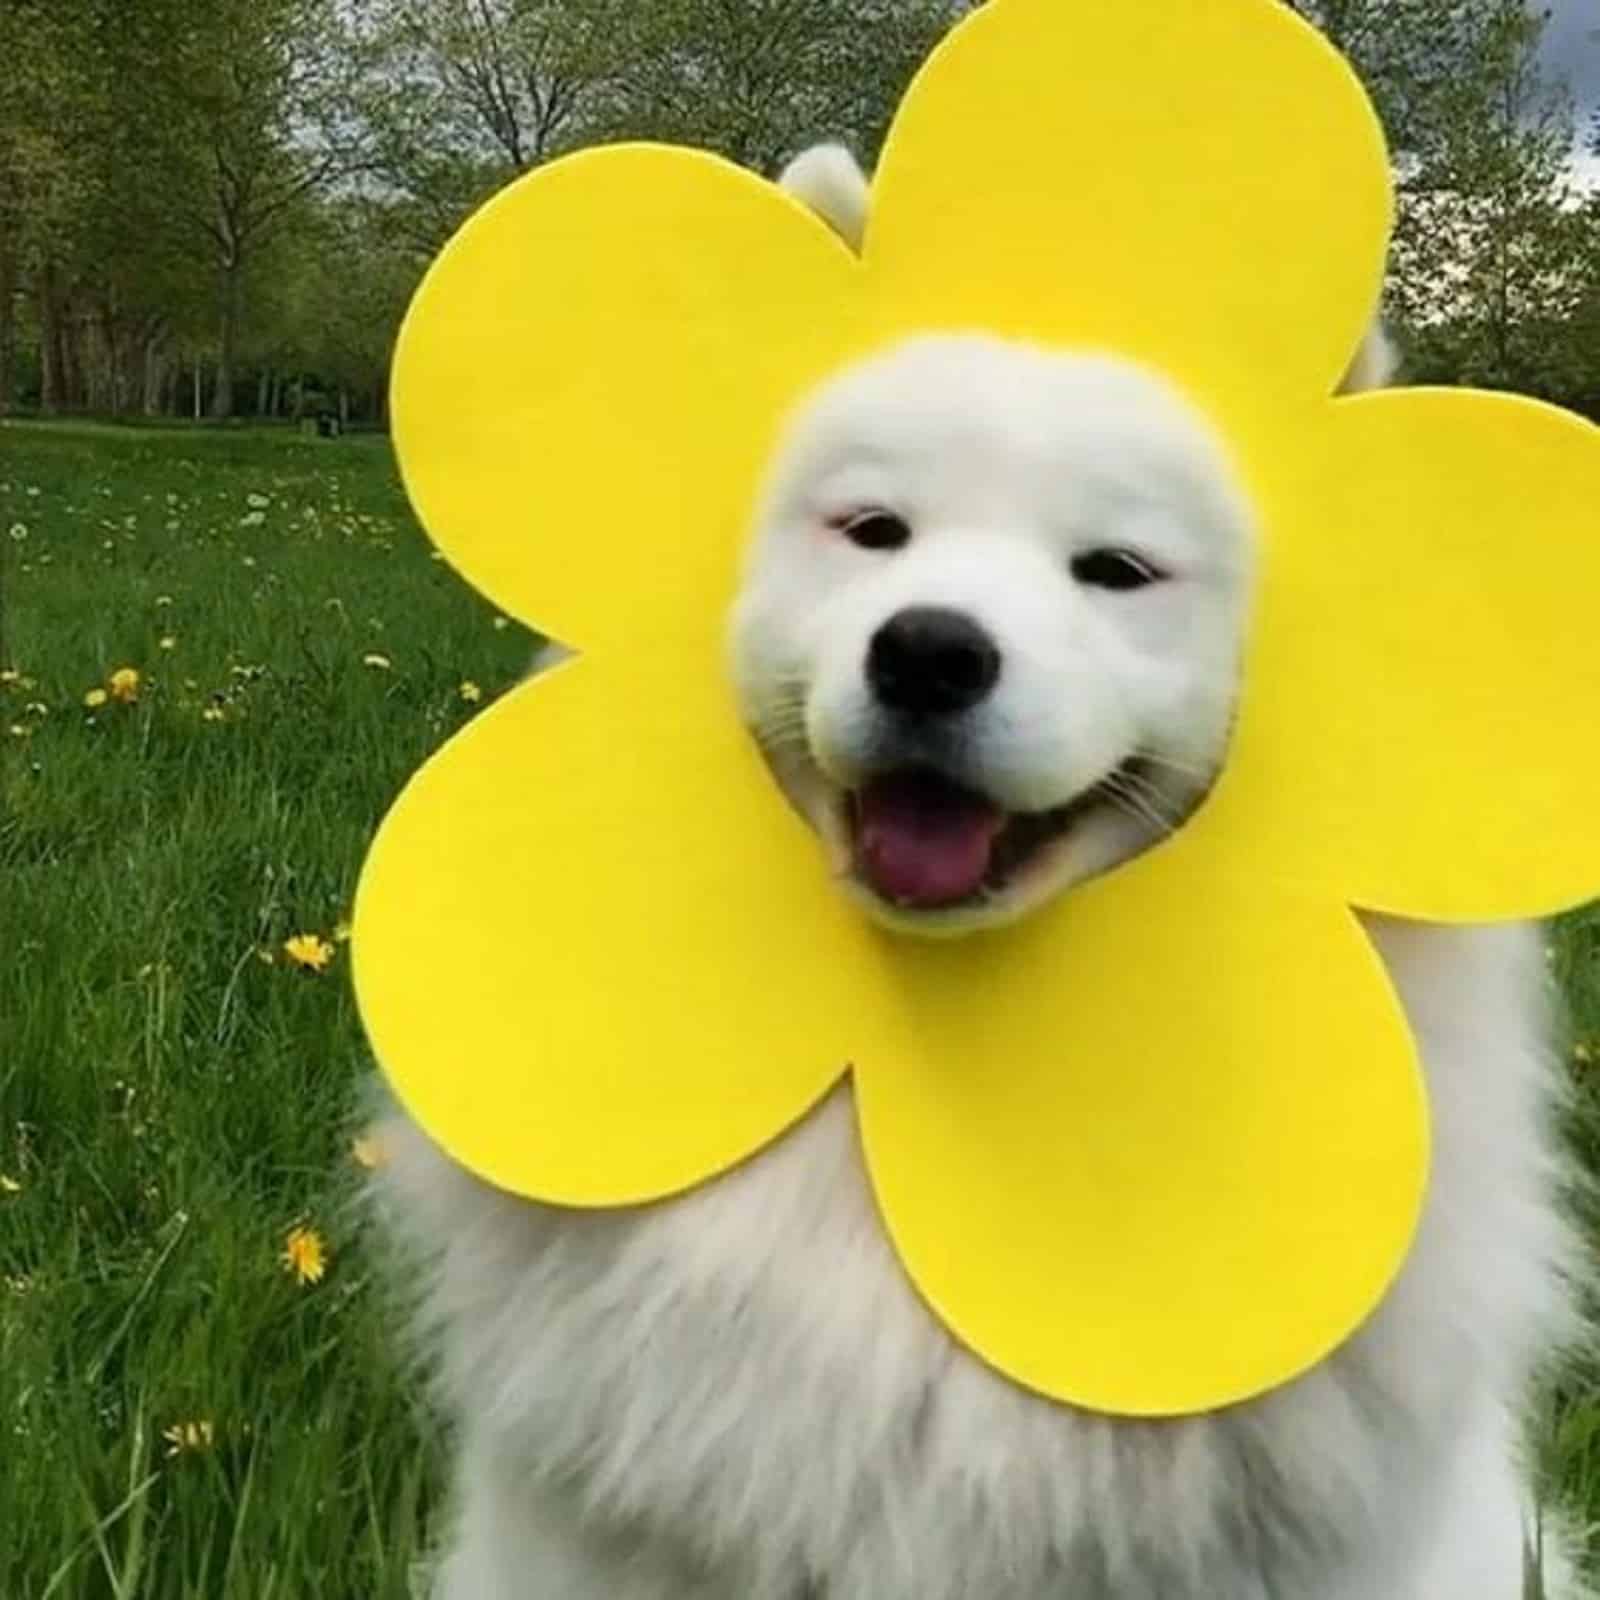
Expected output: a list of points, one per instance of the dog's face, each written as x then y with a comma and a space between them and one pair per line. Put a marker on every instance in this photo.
990, 632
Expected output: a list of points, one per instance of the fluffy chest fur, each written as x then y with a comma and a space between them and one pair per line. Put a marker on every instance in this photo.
744, 1383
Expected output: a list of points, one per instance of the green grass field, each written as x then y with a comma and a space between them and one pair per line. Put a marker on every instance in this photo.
182, 1415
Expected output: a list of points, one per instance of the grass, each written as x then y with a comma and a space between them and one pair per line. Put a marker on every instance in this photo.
174, 1095
183, 1417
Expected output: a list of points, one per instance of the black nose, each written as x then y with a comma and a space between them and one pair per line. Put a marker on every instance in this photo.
931, 662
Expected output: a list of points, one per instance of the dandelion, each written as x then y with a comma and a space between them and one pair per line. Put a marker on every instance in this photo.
95, 699
470, 692
373, 659
190, 1437
305, 1256
214, 714
367, 1151
8, 1184
167, 642
308, 951
124, 685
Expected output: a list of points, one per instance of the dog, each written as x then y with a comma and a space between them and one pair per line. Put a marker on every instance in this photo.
989, 642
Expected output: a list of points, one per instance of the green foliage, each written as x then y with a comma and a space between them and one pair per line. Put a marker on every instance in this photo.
1491, 246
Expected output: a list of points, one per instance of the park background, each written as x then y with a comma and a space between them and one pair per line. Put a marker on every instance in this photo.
224, 644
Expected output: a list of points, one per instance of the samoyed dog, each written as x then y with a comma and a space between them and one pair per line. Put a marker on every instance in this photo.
989, 641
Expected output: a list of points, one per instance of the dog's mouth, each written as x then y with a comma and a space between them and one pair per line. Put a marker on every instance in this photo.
920, 841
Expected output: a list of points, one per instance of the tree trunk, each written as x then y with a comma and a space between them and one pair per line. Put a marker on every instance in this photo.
197, 386
227, 343
8, 318
155, 372
263, 391
74, 387
51, 358
344, 408
299, 396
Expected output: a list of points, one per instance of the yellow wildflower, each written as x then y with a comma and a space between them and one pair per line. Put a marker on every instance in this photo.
214, 714
95, 698
18, 731
373, 659
470, 692
188, 1436
168, 642
308, 951
305, 1256
341, 931
8, 1184
124, 685
10, 675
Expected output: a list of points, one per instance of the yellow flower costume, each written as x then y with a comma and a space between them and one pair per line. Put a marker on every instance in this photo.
601, 960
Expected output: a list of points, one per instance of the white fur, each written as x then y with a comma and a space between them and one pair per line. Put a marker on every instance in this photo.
827, 179
738, 1396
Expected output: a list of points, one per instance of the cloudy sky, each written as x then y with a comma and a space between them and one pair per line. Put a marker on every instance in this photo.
1572, 48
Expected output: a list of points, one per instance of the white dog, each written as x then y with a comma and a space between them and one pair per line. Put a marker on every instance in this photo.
989, 641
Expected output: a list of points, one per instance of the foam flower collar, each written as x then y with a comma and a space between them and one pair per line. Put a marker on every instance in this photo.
1164, 1144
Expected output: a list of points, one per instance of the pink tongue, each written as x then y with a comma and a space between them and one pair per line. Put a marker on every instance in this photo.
922, 840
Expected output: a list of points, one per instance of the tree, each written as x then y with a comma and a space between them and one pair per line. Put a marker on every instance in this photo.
467, 94
1487, 241
473, 92
259, 96
759, 79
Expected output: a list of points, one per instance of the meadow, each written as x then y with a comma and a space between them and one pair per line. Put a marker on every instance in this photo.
221, 653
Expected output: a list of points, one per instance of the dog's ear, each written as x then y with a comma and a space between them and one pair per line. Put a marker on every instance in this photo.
829, 180
1375, 364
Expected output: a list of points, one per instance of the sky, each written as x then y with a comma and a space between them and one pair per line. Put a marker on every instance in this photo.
1572, 48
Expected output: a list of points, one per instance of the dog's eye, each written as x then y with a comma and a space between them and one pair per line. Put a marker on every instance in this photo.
1115, 569
875, 530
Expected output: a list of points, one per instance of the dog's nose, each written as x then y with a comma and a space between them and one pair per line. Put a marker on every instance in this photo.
932, 662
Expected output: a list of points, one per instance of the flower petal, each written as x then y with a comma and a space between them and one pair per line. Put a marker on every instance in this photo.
598, 360
1202, 186
1123, 1178
1419, 730
595, 953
